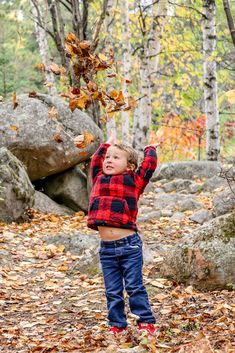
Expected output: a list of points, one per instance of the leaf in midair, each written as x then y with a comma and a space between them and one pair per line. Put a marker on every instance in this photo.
14, 128
53, 113
58, 138
14, 100
32, 94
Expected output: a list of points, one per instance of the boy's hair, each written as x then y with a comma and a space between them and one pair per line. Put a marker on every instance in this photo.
131, 153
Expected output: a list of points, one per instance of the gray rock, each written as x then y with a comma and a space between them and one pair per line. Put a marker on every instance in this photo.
148, 216
177, 185
224, 201
85, 246
17, 192
69, 188
189, 203
166, 213
214, 183
177, 216
169, 201
44, 204
30, 133
205, 258
194, 188
187, 170
201, 216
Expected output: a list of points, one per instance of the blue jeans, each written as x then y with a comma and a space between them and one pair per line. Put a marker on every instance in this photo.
122, 262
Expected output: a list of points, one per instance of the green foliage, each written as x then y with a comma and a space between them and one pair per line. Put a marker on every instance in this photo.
18, 50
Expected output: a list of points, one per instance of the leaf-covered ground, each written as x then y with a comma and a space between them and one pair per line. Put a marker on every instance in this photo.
48, 306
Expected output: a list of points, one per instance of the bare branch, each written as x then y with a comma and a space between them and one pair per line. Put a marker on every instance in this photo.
229, 19
95, 38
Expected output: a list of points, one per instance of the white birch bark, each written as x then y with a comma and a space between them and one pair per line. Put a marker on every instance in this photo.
126, 58
210, 82
43, 46
111, 122
159, 16
148, 72
142, 117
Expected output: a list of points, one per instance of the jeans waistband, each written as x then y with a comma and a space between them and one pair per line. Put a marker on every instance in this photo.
119, 242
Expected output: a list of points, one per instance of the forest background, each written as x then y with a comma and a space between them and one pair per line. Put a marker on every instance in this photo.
175, 52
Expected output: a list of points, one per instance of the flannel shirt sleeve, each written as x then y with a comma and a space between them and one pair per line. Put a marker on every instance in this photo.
97, 161
147, 168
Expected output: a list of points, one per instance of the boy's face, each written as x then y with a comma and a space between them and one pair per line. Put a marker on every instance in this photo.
115, 161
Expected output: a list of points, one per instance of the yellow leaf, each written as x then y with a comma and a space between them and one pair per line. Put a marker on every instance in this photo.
231, 96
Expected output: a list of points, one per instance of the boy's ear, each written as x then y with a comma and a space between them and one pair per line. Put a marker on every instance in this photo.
130, 166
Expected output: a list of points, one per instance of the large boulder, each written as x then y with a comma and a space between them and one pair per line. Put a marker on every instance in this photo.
44, 204
69, 188
224, 201
187, 170
17, 192
205, 258
40, 132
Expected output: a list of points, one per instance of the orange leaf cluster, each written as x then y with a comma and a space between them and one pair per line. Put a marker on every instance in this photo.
85, 65
81, 141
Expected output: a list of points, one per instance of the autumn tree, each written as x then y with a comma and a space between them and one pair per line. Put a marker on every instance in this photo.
43, 45
210, 81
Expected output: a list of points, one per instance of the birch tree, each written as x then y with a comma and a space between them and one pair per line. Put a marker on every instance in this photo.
126, 59
43, 45
108, 26
149, 63
210, 81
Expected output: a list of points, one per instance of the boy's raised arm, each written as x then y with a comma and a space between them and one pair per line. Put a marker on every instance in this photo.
148, 166
98, 157
97, 160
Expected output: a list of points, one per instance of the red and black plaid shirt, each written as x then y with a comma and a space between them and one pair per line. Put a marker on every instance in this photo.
113, 200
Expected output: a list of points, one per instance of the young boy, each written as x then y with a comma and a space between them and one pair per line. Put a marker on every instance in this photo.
117, 186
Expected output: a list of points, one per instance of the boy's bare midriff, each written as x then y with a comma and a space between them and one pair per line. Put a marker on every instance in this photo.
112, 233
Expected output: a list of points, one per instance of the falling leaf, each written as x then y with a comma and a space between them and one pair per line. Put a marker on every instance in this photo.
58, 138
32, 94
40, 66
53, 112
92, 86
14, 100
56, 69
81, 141
14, 128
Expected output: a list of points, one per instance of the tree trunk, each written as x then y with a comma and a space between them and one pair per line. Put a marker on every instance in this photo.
126, 58
210, 82
229, 19
43, 46
159, 15
142, 116
149, 61
111, 122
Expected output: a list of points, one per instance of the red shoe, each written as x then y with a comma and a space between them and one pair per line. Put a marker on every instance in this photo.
147, 327
114, 329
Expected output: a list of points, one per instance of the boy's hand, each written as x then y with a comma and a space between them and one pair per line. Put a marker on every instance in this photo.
112, 138
156, 145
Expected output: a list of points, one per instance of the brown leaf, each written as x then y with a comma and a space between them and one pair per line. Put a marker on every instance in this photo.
40, 66
81, 141
79, 102
92, 86
53, 112
32, 94
14, 128
56, 69
14, 100
58, 138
